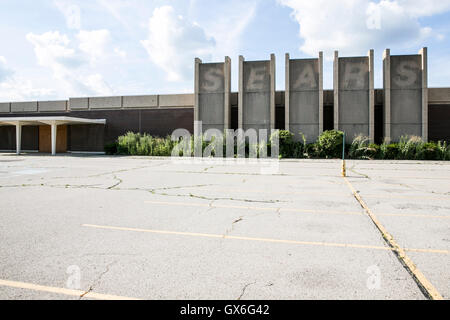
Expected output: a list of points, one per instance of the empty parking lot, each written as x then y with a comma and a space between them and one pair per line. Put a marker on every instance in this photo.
98, 227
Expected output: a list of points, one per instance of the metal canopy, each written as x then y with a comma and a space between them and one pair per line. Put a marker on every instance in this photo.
30, 121
54, 122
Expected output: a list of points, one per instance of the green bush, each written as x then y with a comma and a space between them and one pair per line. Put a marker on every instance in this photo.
127, 144
388, 151
111, 148
144, 145
373, 151
330, 144
443, 150
358, 148
428, 151
408, 147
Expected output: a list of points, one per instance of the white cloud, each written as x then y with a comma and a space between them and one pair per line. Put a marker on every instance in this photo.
423, 8
56, 52
14, 88
53, 50
19, 89
354, 26
173, 43
94, 43
228, 27
5, 71
120, 52
71, 12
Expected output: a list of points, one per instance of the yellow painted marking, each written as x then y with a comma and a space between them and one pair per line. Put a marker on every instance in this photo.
273, 209
219, 236
420, 278
64, 291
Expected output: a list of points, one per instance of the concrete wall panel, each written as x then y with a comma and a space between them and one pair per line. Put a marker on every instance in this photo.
404, 92
355, 96
24, 106
304, 75
78, 103
211, 95
354, 108
439, 95
352, 130
257, 89
406, 72
407, 107
176, 100
256, 110
304, 90
149, 101
353, 74
304, 108
105, 102
212, 78
211, 111
310, 131
399, 130
47, 106
5, 107
257, 76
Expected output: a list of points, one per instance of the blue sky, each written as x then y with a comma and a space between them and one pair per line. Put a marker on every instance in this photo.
55, 49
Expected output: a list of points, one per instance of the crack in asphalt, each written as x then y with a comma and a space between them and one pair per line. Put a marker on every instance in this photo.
352, 169
228, 231
245, 288
119, 181
97, 280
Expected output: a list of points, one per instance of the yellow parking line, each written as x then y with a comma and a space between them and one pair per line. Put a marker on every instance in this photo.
220, 236
418, 276
64, 291
274, 209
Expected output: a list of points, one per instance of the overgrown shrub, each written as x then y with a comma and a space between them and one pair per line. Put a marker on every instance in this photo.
330, 144
427, 151
144, 145
408, 147
111, 148
362, 149
443, 150
388, 151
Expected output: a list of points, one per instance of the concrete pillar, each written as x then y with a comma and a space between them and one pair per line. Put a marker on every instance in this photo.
54, 131
286, 92
320, 92
424, 53
336, 89
272, 91
304, 97
387, 93
371, 97
18, 138
241, 93
227, 97
196, 88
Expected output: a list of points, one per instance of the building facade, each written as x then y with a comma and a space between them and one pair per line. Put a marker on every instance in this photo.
404, 106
